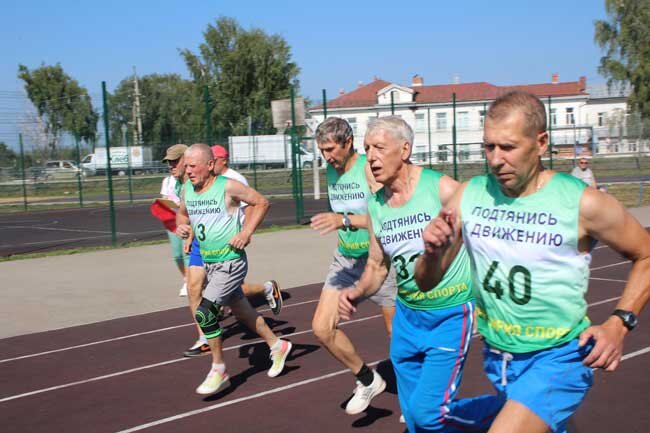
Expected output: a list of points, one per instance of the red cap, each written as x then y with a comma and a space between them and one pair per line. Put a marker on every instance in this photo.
219, 151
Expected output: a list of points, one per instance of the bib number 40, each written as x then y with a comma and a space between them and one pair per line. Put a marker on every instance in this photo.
496, 286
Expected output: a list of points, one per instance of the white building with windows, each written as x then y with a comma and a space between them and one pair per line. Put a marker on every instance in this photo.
581, 121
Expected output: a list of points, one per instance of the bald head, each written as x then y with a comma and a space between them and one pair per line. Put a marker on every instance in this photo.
200, 151
199, 164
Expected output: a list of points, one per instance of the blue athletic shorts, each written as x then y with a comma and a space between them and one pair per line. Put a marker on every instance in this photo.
195, 254
551, 383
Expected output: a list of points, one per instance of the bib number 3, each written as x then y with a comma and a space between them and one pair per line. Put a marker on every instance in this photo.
497, 288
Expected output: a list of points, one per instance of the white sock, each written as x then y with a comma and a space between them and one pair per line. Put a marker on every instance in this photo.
221, 368
268, 288
277, 345
203, 339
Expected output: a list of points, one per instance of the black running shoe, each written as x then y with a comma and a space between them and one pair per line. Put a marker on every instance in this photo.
199, 348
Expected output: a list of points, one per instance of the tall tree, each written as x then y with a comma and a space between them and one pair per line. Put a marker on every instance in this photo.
170, 109
245, 70
625, 39
7, 156
61, 102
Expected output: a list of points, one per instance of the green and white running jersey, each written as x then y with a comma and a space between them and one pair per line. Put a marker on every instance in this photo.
399, 231
348, 194
212, 225
529, 277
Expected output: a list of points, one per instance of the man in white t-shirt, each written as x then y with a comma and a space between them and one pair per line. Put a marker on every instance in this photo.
584, 173
196, 273
171, 190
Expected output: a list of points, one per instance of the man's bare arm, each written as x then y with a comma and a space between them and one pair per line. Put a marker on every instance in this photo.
603, 217
237, 192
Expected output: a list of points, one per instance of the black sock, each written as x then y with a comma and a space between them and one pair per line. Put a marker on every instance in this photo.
365, 375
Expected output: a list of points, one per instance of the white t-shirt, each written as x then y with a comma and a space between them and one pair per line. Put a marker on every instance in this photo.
232, 174
587, 176
168, 189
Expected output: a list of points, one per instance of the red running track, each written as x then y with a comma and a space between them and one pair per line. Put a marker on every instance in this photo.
128, 374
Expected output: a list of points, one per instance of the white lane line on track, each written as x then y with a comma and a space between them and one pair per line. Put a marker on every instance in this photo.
171, 361
609, 266
13, 397
280, 389
132, 335
635, 354
238, 400
608, 279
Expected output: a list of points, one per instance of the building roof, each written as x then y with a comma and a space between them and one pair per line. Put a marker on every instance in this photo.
365, 96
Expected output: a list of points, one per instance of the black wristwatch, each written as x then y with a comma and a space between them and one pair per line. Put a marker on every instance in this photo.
629, 318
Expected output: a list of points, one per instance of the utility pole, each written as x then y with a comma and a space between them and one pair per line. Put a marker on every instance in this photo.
137, 119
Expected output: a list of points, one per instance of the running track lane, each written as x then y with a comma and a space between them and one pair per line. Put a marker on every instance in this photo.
307, 396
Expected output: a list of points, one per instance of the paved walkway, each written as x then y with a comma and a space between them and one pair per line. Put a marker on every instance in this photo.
61, 291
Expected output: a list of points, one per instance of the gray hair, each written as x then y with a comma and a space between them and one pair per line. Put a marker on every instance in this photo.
334, 129
202, 149
394, 125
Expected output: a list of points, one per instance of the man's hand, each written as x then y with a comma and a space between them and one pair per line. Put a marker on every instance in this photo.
607, 351
183, 231
438, 234
326, 222
187, 244
240, 240
347, 300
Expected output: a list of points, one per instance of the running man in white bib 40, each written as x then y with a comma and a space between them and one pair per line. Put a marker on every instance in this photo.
529, 232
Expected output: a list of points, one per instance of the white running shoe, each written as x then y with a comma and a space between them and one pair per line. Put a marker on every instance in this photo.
214, 382
278, 357
363, 394
183, 291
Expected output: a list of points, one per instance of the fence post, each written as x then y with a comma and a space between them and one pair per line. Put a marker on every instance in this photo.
484, 154
22, 170
453, 134
80, 173
429, 134
128, 167
324, 105
208, 116
109, 171
295, 158
550, 135
392, 102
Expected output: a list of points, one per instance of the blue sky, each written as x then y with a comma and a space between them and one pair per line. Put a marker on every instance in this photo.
336, 43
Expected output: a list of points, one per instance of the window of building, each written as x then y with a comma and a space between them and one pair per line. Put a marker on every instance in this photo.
553, 116
420, 124
442, 153
463, 155
441, 121
570, 118
463, 120
601, 119
353, 124
481, 119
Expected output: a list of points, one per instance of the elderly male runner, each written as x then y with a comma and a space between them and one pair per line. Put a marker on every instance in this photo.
196, 273
349, 190
211, 205
529, 233
431, 331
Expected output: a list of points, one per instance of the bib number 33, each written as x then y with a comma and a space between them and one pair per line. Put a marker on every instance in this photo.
517, 273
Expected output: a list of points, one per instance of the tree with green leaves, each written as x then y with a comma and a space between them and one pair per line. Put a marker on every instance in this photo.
170, 109
7, 156
625, 39
244, 70
62, 104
